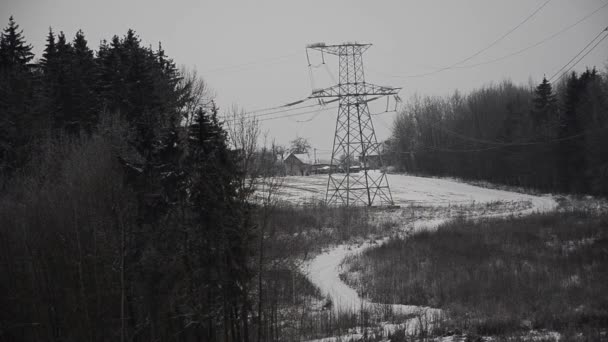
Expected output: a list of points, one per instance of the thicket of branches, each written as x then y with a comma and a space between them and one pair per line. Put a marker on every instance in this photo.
545, 137
122, 210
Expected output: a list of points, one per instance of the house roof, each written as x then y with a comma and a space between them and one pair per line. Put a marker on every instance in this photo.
303, 157
306, 158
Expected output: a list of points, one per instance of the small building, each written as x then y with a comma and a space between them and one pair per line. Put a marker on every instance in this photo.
298, 164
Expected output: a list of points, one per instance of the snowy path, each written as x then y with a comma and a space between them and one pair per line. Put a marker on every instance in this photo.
324, 269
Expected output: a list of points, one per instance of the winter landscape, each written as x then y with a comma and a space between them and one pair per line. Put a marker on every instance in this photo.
320, 171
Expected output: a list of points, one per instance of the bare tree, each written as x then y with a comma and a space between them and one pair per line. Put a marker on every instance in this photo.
299, 145
260, 183
243, 133
196, 91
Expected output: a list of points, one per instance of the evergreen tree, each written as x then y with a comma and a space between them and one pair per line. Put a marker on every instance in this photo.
50, 51
13, 49
135, 82
83, 79
571, 147
62, 99
515, 131
545, 104
544, 122
175, 221
16, 98
221, 236
593, 112
49, 64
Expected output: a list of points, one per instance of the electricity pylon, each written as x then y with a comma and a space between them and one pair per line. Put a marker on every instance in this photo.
356, 149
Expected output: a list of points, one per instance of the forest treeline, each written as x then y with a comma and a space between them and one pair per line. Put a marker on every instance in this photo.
123, 211
549, 137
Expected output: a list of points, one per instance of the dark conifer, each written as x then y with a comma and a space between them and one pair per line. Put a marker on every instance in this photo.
17, 105
220, 233
13, 48
545, 104
82, 82
571, 152
50, 51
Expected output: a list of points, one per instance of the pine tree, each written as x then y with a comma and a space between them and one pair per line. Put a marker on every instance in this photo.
17, 84
571, 147
545, 104
49, 87
83, 79
50, 51
515, 130
13, 49
62, 101
544, 120
592, 110
221, 235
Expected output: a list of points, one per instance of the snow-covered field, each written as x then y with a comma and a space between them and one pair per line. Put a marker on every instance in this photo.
324, 269
408, 190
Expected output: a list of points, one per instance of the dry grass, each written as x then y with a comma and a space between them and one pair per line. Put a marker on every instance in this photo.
298, 232
497, 276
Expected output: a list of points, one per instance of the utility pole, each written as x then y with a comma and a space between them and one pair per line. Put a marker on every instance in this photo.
354, 139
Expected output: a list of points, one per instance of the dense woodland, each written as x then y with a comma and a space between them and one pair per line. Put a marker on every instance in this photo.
552, 137
123, 214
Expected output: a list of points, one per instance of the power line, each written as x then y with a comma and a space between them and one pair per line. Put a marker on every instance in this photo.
277, 107
575, 56
385, 112
281, 116
531, 143
580, 59
254, 115
465, 137
282, 109
296, 114
314, 116
499, 39
542, 41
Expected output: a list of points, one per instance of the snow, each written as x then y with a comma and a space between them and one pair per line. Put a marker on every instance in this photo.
408, 190
324, 269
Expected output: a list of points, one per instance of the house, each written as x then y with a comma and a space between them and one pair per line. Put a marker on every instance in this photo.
303, 164
298, 164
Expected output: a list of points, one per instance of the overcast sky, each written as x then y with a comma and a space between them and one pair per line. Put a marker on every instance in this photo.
252, 53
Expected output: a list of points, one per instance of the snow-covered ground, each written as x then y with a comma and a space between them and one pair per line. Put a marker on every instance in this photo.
408, 190
324, 269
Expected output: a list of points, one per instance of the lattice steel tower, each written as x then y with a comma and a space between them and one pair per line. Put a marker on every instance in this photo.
356, 150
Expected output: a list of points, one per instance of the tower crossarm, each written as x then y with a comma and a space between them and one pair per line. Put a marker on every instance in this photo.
341, 49
354, 89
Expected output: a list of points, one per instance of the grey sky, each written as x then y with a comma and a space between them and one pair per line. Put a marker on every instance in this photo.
252, 52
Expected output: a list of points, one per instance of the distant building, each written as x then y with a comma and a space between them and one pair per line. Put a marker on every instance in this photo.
298, 164
303, 164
